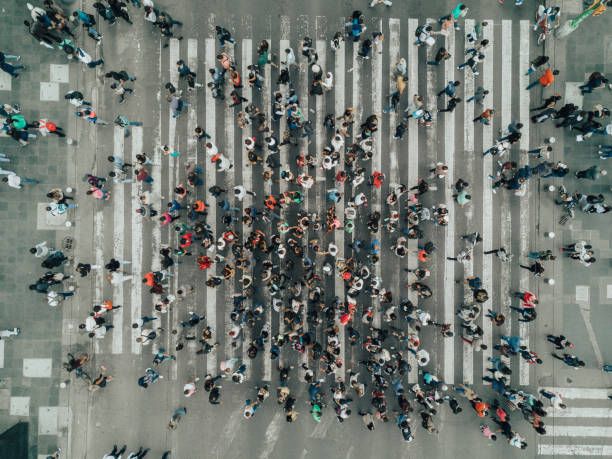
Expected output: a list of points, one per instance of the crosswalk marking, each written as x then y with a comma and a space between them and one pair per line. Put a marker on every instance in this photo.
566, 424
578, 431
338, 236
413, 166
572, 412
211, 293
487, 195
449, 246
247, 179
315, 198
99, 273
525, 229
468, 145
118, 245
578, 392
137, 244
574, 450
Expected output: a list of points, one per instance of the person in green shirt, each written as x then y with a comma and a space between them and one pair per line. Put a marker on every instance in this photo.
463, 198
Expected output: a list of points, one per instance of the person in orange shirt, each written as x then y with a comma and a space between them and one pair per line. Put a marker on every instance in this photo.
547, 78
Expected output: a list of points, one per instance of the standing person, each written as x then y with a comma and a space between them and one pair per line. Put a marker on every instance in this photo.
547, 78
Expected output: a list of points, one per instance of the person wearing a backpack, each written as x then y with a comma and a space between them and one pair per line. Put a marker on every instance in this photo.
45, 127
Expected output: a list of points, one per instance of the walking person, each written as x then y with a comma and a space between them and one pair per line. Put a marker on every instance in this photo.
547, 78
15, 181
536, 269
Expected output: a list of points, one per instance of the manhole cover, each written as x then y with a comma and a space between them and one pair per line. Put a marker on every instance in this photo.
68, 243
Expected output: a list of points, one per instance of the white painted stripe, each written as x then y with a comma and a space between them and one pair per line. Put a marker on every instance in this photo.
247, 176
572, 412
578, 431
449, 246
118, 244
339, 83
574, 450
413, 165
230, 181
316, 197
468, 146
579, 392
211, 293
137, 243
267, 104
487, 207
99, 273
525, 230
157, 190
377, 78
171, 236
192, 112
1, 353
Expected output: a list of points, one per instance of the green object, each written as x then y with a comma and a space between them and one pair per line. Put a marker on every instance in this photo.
316, 412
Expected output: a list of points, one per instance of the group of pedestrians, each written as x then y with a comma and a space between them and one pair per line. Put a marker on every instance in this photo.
283, 255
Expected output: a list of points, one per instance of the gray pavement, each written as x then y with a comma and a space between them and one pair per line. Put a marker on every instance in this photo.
86, 424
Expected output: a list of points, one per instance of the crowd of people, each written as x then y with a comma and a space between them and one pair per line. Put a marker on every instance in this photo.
282, 256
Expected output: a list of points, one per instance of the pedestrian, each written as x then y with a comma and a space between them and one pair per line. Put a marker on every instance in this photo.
452, 103
479, 95
450, 89
486, 116
176, 105
536, 269
86, 59
535, 63
15, 181
115, 453
592, 173
560, 342
224, 36
570, 360
547, 78
8, 68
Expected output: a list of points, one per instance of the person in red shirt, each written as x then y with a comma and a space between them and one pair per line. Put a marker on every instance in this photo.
547, 78
529, 299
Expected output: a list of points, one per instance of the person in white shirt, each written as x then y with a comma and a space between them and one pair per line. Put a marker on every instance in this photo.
117, 277
85, 58
138, 455
14, 180
56, 209
41, 250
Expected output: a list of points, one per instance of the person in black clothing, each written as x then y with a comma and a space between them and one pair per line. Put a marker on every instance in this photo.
560, 342
452, 103
536, 269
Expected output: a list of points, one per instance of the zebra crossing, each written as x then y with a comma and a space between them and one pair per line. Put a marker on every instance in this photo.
452, 139
583, 428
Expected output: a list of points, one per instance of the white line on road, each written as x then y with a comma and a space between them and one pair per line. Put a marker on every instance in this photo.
487, 208
574, 450
211, 293
578, 431
449, 246
525, 229
118, 244
579, 392
413, 167
137, 244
